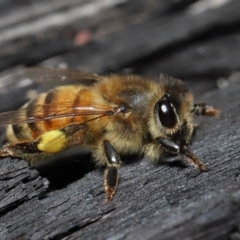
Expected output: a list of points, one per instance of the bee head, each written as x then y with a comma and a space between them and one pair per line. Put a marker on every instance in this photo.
172, 111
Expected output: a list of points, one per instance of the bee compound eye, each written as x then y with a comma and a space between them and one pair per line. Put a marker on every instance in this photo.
166, 113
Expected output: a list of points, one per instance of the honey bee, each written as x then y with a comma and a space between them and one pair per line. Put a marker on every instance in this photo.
110, 116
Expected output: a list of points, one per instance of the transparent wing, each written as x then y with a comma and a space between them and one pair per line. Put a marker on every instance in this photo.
59, 76
53, 111
65, 136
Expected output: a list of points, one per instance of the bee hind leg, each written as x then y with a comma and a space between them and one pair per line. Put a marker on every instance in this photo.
19, 149
7, 151
111, 172
4, 153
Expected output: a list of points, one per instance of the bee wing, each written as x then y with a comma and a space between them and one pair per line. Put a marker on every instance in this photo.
59, 76
46, 112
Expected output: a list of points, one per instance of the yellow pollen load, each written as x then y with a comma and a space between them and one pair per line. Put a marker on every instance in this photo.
52, 141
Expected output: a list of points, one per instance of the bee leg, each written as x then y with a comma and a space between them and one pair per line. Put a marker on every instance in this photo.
19, 149
4, 153
204, 110
174, 148
8, 151
192, 158
169, 146
111, 173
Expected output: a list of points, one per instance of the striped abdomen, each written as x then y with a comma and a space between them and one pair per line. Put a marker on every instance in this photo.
58, 101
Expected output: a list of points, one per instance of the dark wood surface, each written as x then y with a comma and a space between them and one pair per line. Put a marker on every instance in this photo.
196, 41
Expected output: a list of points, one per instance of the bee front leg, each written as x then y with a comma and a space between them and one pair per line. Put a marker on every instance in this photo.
111, 173
174, 148
204, 110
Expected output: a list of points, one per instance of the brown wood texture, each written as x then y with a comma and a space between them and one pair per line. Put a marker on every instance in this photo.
196, 40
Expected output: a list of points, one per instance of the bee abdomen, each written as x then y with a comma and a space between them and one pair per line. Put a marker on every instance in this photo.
25, 131
34, 127
42, 111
